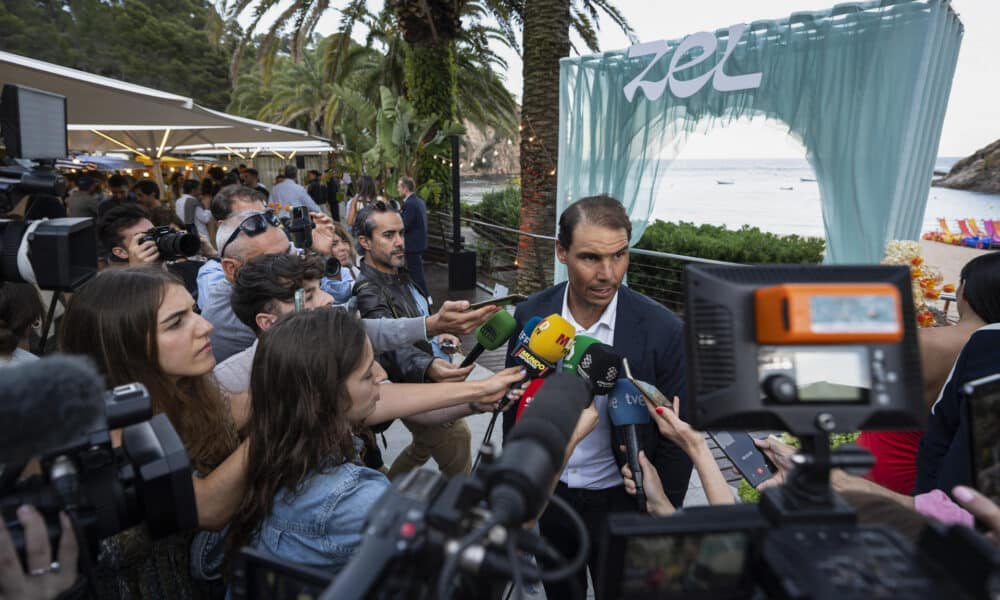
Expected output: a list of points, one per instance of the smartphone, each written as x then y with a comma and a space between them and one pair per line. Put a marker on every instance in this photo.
738, 446
502, 301
982, 397
300, 303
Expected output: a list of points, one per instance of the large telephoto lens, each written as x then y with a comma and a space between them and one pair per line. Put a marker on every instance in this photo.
176, 245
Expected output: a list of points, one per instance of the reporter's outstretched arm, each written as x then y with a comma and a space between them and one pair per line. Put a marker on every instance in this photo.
454, 317
43, 579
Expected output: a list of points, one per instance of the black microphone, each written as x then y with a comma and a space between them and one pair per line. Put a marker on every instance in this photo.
600, 367
535, 450
47, 403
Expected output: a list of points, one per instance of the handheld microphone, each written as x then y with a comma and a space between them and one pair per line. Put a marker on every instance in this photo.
536, 449
528, 397
580, 345
47, 403
491, 335
525, 333
549, 343
600, 366
627, 409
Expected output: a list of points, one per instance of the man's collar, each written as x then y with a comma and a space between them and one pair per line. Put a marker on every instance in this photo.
607, 318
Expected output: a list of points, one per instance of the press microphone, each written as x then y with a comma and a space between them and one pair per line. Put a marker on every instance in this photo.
46, 404
528, 397
491, 335
525, 333
535, 450
600, 367
580, 345
627, 409
550, 342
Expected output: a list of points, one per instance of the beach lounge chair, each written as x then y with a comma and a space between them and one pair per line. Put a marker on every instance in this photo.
946, 235
974, 228
969, 238
993, 230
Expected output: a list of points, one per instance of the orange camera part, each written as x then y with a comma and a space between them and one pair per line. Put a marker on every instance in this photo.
828, 313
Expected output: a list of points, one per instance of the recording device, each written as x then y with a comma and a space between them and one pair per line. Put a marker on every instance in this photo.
491, 335
55, 254
648, 390
550, 342
580, 345
739, 448
982, 397
501, 301
627, 410
299, 228
599, 366
172, 245
56, 409
428, 536
812, 350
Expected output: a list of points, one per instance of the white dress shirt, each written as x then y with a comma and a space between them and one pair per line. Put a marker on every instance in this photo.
592, 465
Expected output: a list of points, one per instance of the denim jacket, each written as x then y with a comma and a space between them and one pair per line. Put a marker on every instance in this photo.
322, 525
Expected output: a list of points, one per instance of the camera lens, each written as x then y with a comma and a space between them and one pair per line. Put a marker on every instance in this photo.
178, 244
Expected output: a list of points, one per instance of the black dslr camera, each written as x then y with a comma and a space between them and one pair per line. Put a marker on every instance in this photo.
172, 245
57, 409
299, 228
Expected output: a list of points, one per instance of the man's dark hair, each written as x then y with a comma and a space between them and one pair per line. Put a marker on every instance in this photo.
20, 307
253, 172
116, 219
222, 204
408, 183
148, 187
216, 173
191, 186
364, 222
602, 211
291, 172
117, 180
315, 173
270, 278
981, 289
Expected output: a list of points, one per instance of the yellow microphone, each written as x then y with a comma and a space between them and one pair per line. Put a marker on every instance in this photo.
550, 342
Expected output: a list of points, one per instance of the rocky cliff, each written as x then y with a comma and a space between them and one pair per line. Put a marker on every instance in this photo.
488, 153
977, 173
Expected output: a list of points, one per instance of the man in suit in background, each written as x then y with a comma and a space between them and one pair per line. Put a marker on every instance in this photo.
415, 222
593, 244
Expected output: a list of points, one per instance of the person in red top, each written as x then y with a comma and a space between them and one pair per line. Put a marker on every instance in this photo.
978, 305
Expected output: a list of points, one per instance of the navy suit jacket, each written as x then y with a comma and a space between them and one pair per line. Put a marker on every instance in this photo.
415, 224
652, 339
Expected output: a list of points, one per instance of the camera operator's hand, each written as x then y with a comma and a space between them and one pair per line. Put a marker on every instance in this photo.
675, 429
656, 499
455, 318
44, 579
323, 234
780, 455
142, 253
207, 249
982, 508
443, 371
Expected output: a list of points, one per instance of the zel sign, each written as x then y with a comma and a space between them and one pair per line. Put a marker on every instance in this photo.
685, 88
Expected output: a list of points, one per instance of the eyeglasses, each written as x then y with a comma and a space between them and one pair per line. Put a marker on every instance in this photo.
253, 225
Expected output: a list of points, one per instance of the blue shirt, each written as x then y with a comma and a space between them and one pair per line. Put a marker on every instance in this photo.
229, 334
292, 194
322, 525
340, 290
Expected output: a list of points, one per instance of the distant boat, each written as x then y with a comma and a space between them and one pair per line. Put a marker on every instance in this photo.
786, 187
806, 179
724, 181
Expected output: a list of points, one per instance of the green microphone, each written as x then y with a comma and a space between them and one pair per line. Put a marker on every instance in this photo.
580, 345
491, 335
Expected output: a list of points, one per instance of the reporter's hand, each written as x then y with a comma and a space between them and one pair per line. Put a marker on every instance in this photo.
448, 338
44, 579
657, 502
442, 371
142, 253
323, 234
780, 454
454, 317
497, 385
672, 427
981, 507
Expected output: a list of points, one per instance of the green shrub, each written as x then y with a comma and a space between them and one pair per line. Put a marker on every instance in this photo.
501, 206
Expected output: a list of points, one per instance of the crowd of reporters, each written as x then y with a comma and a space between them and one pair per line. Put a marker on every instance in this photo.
255, 352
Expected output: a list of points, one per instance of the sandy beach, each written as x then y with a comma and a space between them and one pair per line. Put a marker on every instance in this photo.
949, 260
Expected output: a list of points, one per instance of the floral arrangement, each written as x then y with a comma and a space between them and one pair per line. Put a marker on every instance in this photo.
927, 280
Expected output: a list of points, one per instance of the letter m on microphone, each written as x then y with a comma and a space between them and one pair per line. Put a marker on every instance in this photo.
563, 340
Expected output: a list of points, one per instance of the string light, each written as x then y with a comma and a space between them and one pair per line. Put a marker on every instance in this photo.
552, 173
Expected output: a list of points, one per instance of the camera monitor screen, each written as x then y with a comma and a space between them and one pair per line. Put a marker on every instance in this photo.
696, 564
33, 123
821, 373
982, 397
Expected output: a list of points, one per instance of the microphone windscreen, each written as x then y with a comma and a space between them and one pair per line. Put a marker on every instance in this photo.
580, 345
496, 330
525, 333
626, 405
552, 339
528, 397
552, 415
46, 403
600, 365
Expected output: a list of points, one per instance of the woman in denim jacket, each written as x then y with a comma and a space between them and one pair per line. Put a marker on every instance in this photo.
314, 380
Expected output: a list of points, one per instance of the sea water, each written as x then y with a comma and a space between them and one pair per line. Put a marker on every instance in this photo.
770, 194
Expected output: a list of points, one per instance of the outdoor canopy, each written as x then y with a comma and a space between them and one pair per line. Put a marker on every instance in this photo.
862, 86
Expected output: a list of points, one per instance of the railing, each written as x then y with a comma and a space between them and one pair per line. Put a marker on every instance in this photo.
658, 275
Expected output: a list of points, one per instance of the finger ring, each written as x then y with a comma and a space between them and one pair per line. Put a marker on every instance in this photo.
39, 571
55, 566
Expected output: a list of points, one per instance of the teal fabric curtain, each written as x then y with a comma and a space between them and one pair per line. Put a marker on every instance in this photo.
862, 86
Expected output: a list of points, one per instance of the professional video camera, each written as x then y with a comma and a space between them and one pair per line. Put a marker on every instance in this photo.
55, 254
172, 245
56, 409
299, 227
813, 351
425, 535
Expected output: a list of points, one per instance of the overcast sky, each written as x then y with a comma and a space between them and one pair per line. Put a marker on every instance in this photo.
972, 120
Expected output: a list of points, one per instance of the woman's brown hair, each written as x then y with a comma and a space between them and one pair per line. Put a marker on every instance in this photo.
112, 319
298, 421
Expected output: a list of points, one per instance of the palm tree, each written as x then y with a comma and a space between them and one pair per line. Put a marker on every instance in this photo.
546, 40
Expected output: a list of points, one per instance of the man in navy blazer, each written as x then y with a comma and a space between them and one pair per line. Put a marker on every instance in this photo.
593, 244
415, 224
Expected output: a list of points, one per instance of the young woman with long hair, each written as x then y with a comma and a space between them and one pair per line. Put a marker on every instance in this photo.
139, 324
308, 494
367, 193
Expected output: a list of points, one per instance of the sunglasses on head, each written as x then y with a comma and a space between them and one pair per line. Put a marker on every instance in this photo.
253, 225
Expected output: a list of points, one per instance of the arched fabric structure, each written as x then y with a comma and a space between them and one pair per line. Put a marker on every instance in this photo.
863, 87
